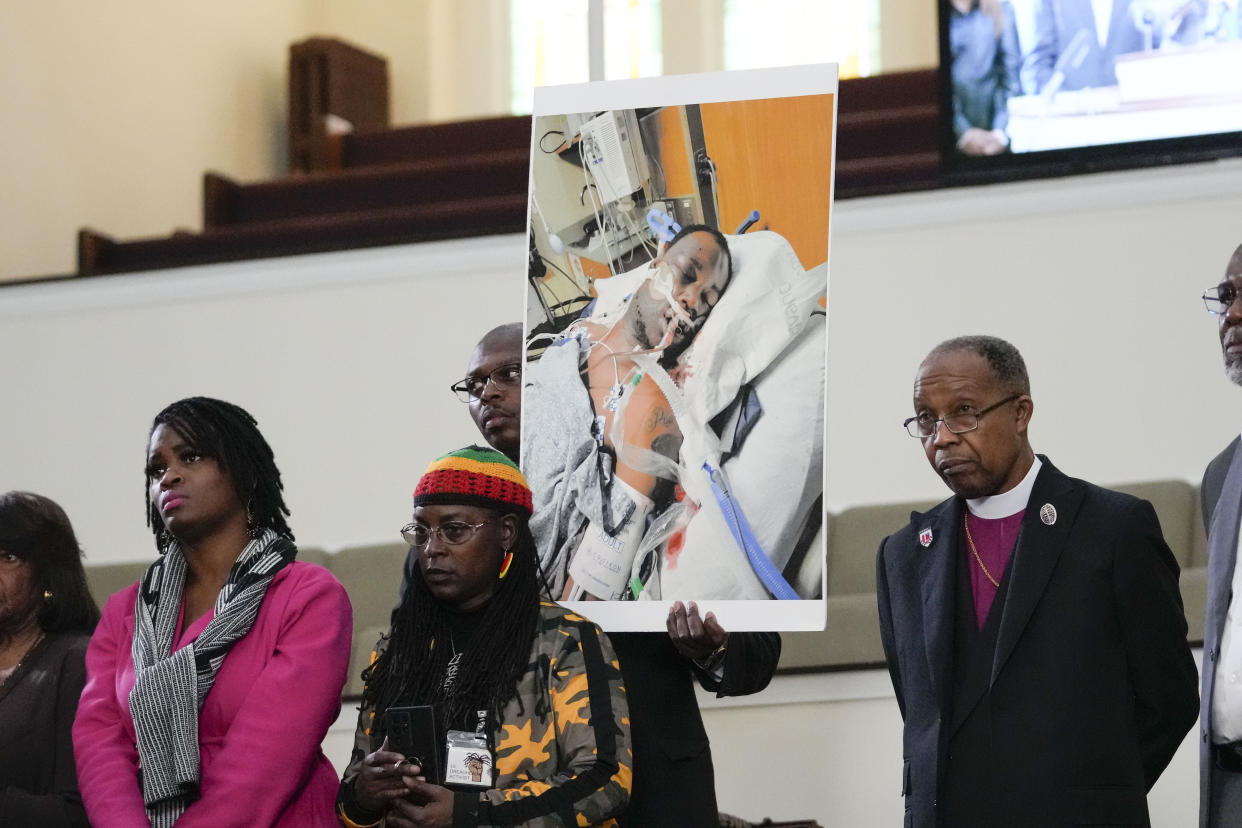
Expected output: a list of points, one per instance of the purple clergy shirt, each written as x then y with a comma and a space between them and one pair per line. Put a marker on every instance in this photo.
994, 539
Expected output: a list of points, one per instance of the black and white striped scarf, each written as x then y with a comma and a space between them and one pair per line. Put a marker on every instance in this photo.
170, 687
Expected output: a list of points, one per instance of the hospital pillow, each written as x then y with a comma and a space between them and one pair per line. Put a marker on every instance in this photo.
766, 305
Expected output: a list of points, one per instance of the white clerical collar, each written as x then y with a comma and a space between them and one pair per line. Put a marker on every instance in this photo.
1006, 503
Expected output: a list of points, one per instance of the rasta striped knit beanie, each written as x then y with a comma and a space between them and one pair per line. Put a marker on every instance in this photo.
474, 476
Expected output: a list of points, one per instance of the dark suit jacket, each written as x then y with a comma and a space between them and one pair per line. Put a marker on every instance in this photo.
1088, 690
1214, 479
1221, 496
674, 785
1056, 24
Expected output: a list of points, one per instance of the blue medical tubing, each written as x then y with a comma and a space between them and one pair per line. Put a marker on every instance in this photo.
744, 226
745, 537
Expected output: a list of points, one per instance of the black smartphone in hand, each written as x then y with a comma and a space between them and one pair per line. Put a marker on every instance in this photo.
412, 733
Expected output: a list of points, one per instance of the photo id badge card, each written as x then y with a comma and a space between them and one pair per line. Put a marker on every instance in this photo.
469, 761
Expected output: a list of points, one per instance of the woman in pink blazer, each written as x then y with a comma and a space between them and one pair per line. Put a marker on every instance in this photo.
212, 681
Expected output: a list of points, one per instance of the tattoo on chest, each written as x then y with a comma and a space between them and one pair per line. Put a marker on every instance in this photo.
659, 419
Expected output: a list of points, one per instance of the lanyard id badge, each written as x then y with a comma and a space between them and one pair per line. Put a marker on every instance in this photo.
469, 761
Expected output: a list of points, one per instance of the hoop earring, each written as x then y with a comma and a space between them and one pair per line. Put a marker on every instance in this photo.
504, 565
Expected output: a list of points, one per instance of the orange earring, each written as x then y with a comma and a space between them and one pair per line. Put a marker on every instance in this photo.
504, 566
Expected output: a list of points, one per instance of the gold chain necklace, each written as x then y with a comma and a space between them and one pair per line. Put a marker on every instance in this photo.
971, 541
22, 660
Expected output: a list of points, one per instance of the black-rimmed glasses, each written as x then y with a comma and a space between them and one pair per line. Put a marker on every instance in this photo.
922, 426
1219, 299
451, 532
472, 388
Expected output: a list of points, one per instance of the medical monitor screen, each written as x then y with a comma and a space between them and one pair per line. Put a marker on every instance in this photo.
1046, 78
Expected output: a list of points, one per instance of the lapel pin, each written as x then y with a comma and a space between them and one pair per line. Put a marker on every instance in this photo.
1048, 514
925, 537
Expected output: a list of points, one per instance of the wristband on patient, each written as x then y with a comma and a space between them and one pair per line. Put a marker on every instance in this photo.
602, 563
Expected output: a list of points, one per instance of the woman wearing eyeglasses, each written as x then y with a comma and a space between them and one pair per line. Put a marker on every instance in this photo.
526, 699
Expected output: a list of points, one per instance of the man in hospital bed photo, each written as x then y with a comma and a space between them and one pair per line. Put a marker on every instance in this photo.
640, 412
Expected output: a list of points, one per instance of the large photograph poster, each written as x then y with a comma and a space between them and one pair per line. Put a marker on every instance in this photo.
673, 399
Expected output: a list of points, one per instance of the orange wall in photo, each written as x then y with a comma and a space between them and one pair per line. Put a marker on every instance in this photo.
671, 152
774, 155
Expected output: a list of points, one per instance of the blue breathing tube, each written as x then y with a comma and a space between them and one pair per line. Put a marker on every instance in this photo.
751, 219
768, 574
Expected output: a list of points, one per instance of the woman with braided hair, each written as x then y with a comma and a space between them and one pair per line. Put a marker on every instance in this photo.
524, 695
211, 682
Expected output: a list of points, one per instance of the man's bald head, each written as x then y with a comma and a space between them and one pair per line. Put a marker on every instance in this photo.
497, 411
1235, 261
508, 335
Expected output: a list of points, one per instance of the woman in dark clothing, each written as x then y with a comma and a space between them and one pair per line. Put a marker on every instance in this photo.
46, 619
983, 40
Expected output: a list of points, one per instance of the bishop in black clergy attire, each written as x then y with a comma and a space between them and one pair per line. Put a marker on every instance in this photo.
1032, 622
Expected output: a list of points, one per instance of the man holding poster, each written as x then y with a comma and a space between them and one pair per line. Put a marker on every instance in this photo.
673, 783
674, 387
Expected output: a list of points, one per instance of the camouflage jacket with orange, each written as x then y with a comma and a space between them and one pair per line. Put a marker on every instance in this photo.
563, 742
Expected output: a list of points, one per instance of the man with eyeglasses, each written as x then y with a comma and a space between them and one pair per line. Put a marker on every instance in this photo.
1032, 623
1220, 712
493, 388
674, 781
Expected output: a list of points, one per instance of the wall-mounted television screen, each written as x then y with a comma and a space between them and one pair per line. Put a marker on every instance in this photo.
1082, 84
